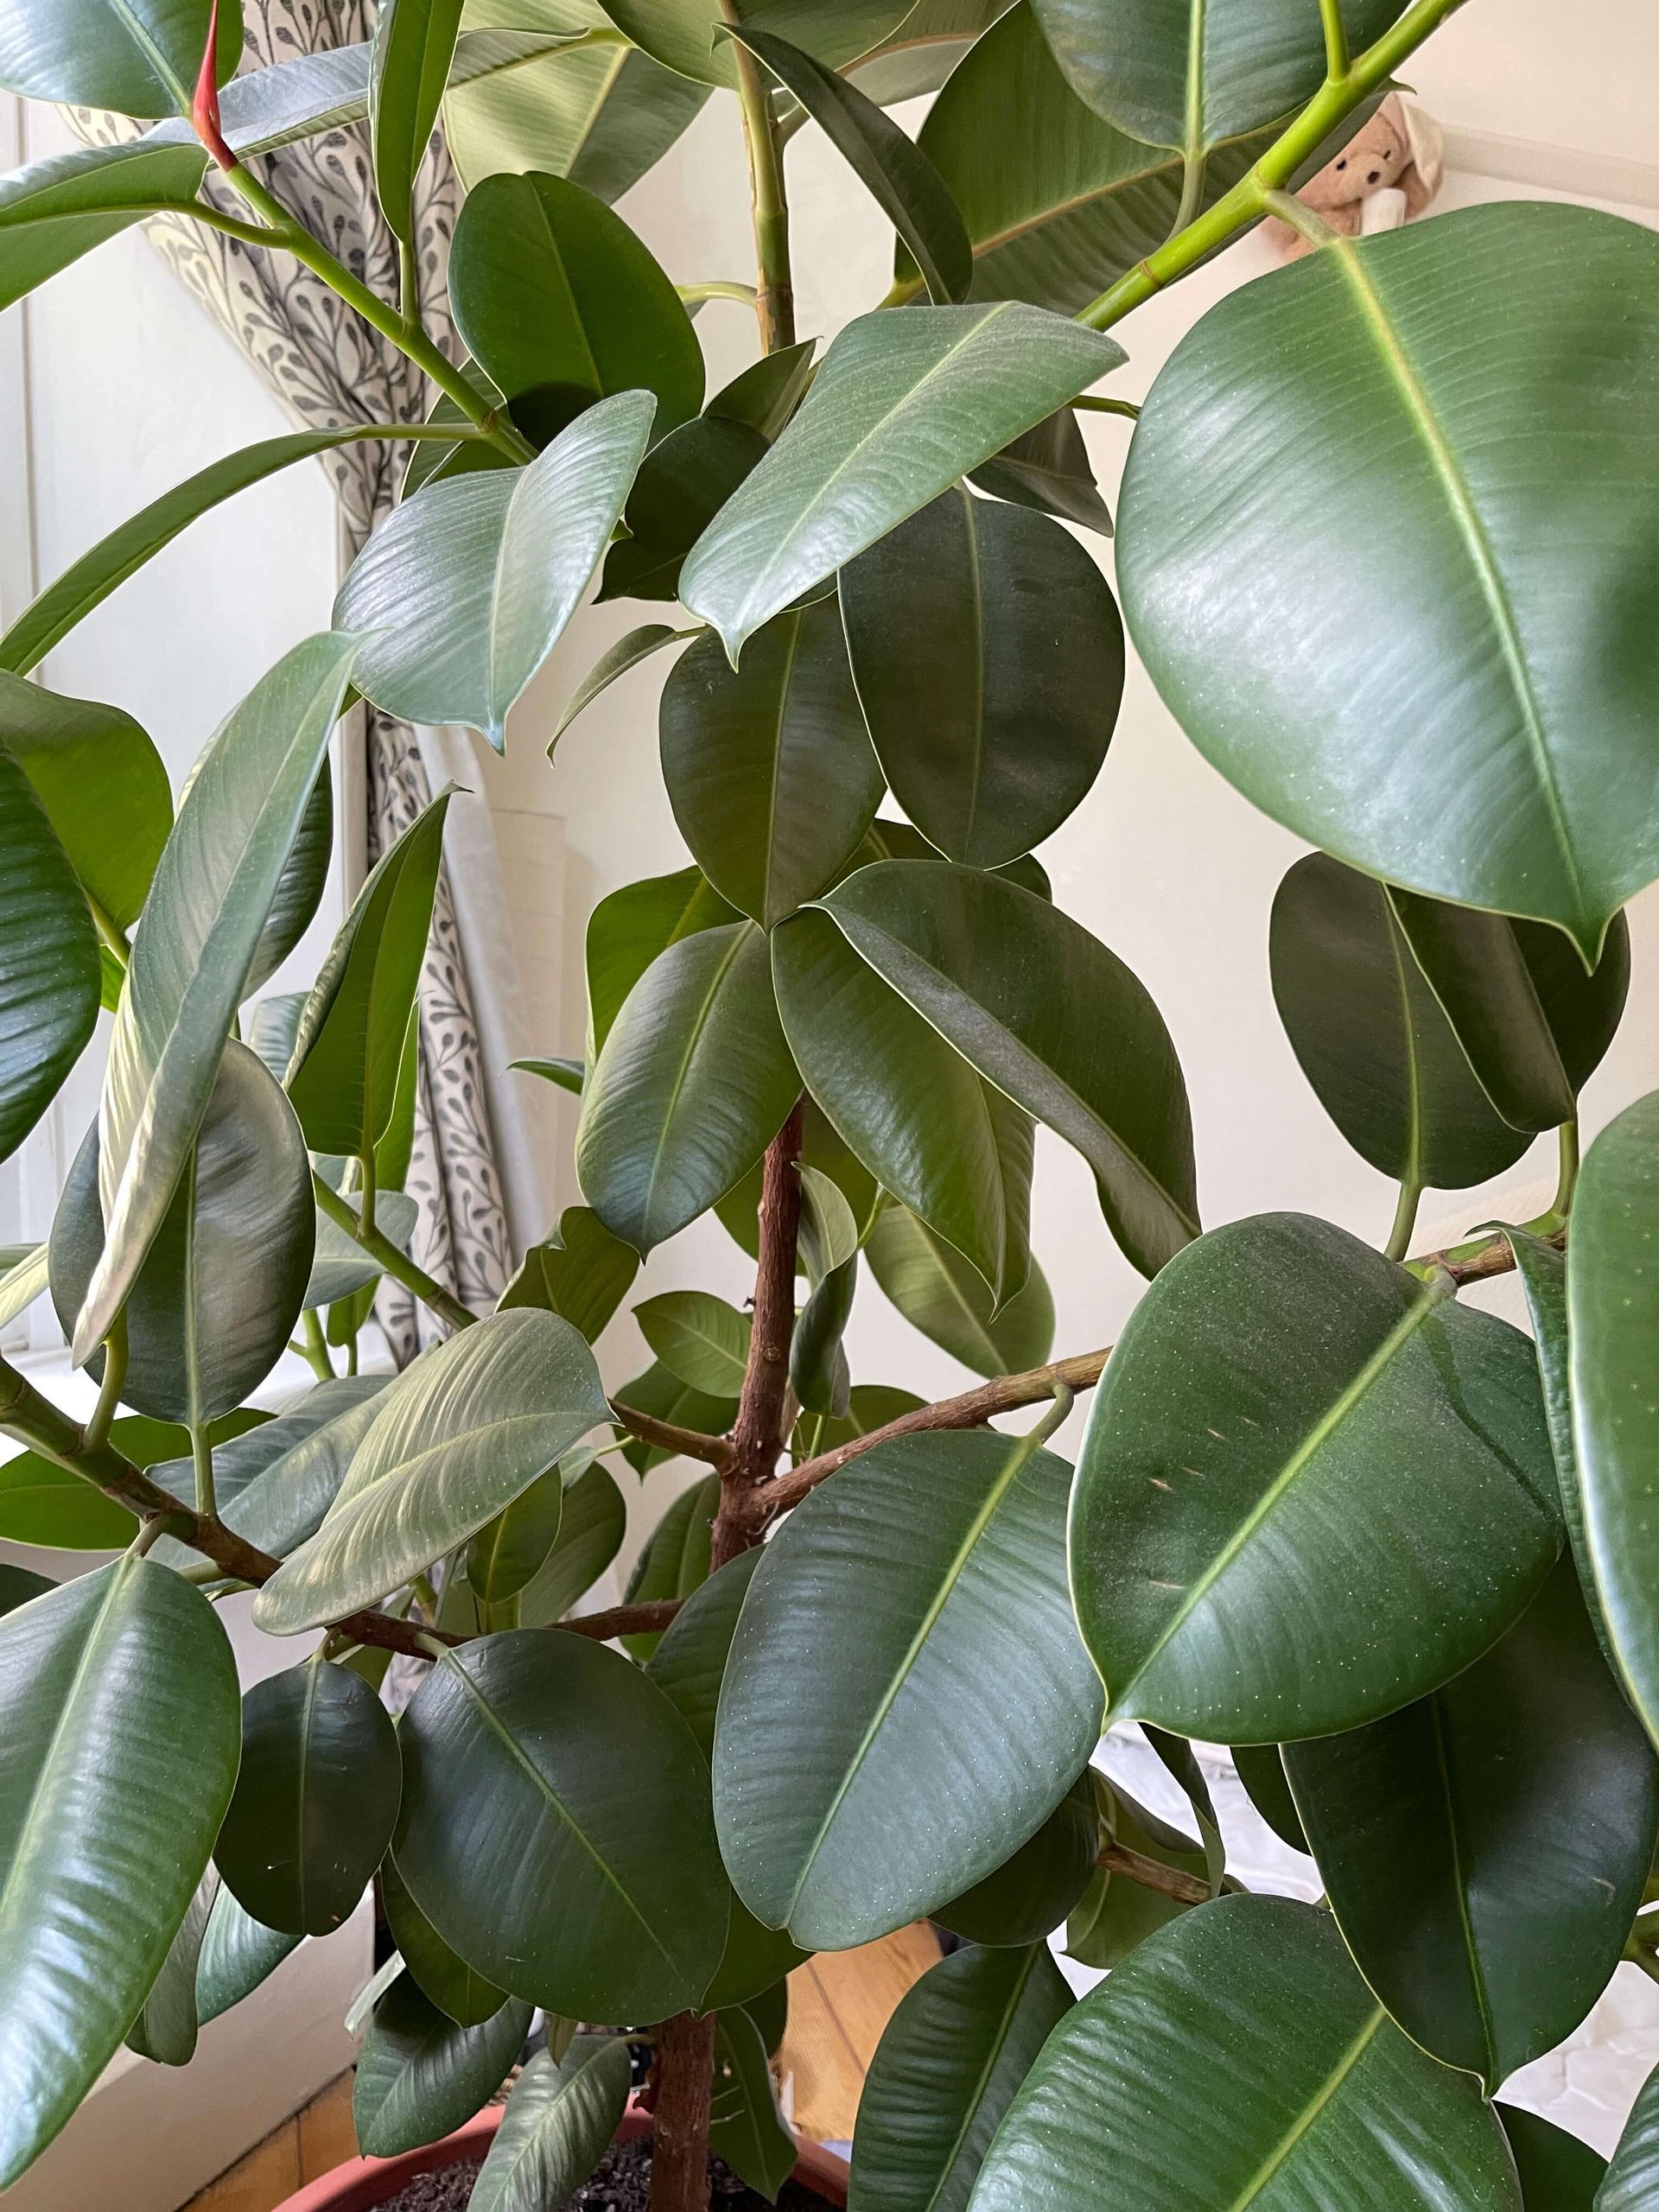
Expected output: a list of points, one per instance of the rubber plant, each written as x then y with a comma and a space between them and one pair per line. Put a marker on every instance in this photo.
1387, 545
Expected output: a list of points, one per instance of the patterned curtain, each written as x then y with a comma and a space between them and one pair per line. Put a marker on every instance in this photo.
328, 369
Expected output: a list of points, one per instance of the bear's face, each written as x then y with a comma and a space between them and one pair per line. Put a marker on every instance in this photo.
1375, 159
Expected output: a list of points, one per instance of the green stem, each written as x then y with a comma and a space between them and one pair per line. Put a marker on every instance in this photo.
1247, 201
1192, 175
1306, 221
1335, 40
1568, 1142
1405, 1220
316, 1347
1090, 403
369, 1191
97, 1431
774, 305
397, 1264
409, 285
719, 288
202, 1454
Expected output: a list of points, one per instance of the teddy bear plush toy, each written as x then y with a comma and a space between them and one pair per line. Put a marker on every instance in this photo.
1387, 172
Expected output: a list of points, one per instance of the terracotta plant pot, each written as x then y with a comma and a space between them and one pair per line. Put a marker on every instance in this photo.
366, 2184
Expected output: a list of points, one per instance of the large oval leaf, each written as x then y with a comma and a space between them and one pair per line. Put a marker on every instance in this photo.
769, 767
1282, 1530
315, 1801
1558, 2172
140, 57
682, 35
903, 405
612, 1905
419, 2077
558, 2125
1633, 2173
1028, 1897
989, 657
921, 54
939, 1292
681, 485
55, 211
463, 1995
219, 1294
691, 1085
206, 910
630, 927
591, 1530
1238, 2059
512, 1550
1045, 1013
561, 305
1484, 1850
953, 1704
118, 1713
467, 587
237, 1955
579, 1270
944, 2072
1480, 387
103, 785
454, 1440
414, 46
49, 980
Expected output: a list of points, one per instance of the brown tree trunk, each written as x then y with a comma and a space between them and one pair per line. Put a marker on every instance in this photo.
682, 2081
758, 1431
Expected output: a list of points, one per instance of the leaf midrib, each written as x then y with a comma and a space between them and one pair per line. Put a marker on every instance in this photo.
1310, 2112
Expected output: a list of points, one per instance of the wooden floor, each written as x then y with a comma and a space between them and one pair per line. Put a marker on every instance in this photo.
839, 2002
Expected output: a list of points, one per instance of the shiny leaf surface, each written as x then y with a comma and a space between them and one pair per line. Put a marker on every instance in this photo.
139, 57
56, 210
463, 1996
558, 2125
579, 1271
419, 2077
681, 485
939, 1292
50, 981
103, 785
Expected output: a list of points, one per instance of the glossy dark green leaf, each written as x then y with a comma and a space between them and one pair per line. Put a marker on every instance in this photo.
940, 1294
419, 2077
903, 405
818, 1372
692, 1083
450, 641
922, 53
699, 1338
629, 928
1425, 388
1371, 1036
101, 783
1175, 76
580, 1270
43, 1503
1238, 2059
1028, 1897
1395, 1459
988, 656
681, 485
166, 2030
766, 394
119, 1711
945, 2071
56, 210
460, 1435
300, 888
1116, 1913
315, 1801
946, 1144
1633, 2171
890, 166
1048, 469
628, 653
1484, 1850
342, 1078
676, 1557
565, 1074
558, 2125
822, 1150
612, 1906
899, 841
561, 305
140, 57
870, 1406
1612, 1299
1534, 1027
1558, 2173
658, 1392
414, 46
206, 910
18, 1585
1260, 1768
769, 767
461, 1994
237, 1955
1056, 1022
681, 33
689, 1663
50, 976
210, 1313
746, 2128
340, 1266
935, 1559
512, 1550
596, 1520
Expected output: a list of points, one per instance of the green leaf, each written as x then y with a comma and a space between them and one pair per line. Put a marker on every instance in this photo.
1030, 1894
510, 1551
746, 2128
1396, 1458
467, 588
691, 1085
629, 928
680, 33
628, 653
43, 1503
55, 211
119, 1711
689, 1663
988, 656
958, 2046
1371, 1036
939, 1292
420, 2077
342, 1078
213, 889
300, 888
677, 1558
557, 2127
564, 1073
140, 57
166, 2029
560, 303
1176, 76
579, 1270
681, 485
1430, 1829
1633, 2171
903, 405
237, 1955
1537, 393
766, 394
612, 1906
1238, 2059
463, 1996
1048, 469
340, 1268
893, 169
945, 1725
590, 1536
315, 1801
1558, 2173
50, 976
755, 1960
211, 1310
1533, 1026
769, 767
818, 1372
1056, 1022
824, 1153
18, 1585
1613, 1301
454, 1440
699, 1338
23, 1281
1260, 1768
658, 1392
922, 1121
414, 46
1115, 1914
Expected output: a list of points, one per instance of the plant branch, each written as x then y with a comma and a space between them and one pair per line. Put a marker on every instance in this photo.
758, 1433
1152, 1874
1405, 1219
774, 305
397, 1264
667, 1436
1335, 40
719, 287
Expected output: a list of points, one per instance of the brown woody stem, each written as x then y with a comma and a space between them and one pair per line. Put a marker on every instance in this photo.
1151, 1874
667, 1436
758, 1433
682, 2085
